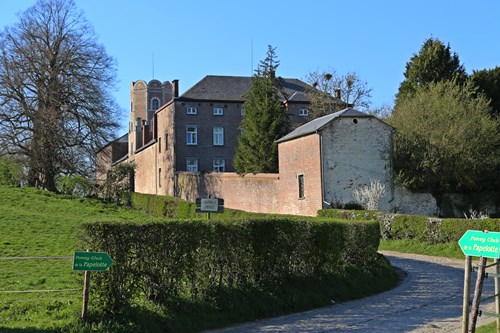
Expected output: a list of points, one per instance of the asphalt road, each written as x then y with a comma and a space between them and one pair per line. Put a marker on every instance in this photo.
428, 300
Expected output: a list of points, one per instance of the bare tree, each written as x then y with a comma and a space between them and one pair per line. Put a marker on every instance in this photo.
333, 92
55, 82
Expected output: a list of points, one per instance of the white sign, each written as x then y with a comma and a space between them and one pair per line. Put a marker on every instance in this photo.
209, 205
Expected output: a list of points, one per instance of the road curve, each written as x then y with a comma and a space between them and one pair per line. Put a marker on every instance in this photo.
428, 300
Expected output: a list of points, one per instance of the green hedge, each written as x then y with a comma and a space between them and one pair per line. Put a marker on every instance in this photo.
198, 259
173, 207
420, 228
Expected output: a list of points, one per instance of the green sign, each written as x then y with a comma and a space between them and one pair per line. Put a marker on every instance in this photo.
480, 244
91, 261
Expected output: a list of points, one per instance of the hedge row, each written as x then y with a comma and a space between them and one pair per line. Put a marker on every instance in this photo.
172, 207
163, 206
194, 259
420, 228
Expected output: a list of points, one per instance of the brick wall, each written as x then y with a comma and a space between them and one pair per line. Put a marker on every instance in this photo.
252, 193
301, 156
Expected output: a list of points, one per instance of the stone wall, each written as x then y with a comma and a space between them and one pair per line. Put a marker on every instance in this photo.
355, 151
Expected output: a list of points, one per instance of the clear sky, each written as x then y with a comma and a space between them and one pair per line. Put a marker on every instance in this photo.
194, 38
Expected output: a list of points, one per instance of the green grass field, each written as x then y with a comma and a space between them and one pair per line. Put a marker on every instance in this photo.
39, 294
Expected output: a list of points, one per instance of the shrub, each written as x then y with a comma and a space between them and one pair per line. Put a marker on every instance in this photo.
368, 196
11, 171
197, 260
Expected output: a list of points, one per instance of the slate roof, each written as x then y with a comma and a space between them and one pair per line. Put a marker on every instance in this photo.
232, 88
317, 124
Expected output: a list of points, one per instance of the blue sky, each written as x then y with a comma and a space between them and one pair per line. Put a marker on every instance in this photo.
191, 39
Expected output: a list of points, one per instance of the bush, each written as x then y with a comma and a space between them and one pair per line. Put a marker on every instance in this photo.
414, 227
199, 260
77, 186
11, 171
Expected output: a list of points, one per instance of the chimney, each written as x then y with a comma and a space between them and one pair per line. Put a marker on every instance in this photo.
175, 88
337, 93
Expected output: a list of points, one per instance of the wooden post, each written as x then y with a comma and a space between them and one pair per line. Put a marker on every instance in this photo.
465, 310
477, 294
86, 284
497, 291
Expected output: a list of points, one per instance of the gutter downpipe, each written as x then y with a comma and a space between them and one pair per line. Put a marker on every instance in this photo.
323, 202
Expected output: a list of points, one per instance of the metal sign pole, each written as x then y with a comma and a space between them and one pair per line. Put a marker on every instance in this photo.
465, 311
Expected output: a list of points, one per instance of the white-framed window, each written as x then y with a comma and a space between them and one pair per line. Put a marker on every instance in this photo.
192, 164
191, 110
218, 136
303, 112
243, 111
219, 165
218, 111
155, 103
191, 135
300, 179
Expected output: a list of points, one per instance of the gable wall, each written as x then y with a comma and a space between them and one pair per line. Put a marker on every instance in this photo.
354, 152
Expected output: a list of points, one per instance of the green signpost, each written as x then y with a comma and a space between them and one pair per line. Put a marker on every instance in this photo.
480, 244
91, 261
483, 244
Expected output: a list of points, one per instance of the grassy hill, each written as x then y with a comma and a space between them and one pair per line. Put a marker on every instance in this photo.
39, 294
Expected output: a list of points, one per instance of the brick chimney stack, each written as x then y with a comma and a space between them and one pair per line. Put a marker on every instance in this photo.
175, 88
337, 93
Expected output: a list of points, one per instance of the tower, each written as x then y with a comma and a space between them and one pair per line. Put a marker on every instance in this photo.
145, 99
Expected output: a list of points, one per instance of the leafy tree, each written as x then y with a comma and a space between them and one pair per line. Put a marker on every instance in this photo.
119, 183
488, 82
332, 92
55, 103
11, 171
264, 122
435, 62
445, 140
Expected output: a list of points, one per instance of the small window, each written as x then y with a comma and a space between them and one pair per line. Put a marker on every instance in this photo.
166, 141
219, 165
192, 165
218, 111
155, 104
242, 111
191, 110
191, 135
159, 177
303, 112
218, 136
159, 145
300, 179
